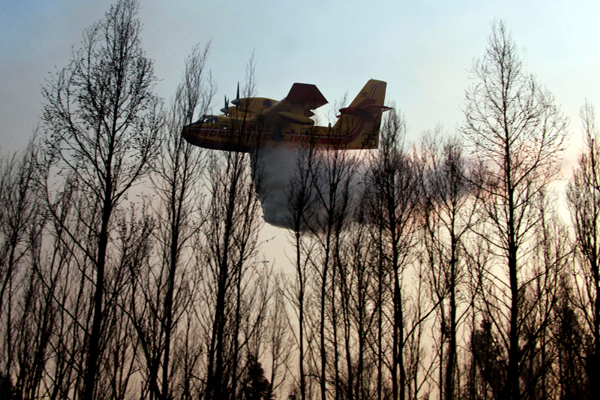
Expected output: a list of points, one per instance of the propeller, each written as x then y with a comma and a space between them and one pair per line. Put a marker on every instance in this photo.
236, 101
225, 110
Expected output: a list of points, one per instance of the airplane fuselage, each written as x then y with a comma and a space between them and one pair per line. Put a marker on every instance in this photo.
224, 133
258, 122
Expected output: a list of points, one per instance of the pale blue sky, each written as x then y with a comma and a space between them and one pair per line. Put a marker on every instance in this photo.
423, 49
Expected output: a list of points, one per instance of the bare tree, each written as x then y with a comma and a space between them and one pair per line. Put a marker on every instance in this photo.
302, 207
583, 194
279, 341
359, 307
393, 187
229, 246
177, 183
448, 216
333, 176
516, 133
118, 367
102, 124
570, 342
25, 316
551, 257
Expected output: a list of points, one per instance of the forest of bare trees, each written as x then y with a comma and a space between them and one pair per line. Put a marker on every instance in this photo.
132, 263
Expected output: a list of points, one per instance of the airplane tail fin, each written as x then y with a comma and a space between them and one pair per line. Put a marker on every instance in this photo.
360, 121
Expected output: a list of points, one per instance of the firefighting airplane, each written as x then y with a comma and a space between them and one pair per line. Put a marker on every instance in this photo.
258, 121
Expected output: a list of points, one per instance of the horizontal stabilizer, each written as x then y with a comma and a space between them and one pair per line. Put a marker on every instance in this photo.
366, 112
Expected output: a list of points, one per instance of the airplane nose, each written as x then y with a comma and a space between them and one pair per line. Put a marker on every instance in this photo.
186, 133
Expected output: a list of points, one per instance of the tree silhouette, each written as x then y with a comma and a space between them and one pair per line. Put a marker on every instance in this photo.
516, 133
256, 386
102, 122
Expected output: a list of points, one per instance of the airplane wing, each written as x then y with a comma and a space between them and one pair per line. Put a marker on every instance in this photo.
254, 105
297, 105
308, 95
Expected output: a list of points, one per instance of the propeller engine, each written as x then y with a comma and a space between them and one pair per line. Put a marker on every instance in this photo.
225, 110
236, 101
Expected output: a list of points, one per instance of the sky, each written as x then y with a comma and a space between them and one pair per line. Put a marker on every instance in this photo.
423, 49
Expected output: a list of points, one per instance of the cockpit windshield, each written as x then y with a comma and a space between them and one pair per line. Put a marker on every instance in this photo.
208, 119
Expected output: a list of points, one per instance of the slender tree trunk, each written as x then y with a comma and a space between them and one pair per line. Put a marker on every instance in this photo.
323, 348
380, 277
94, 338
299, 271
594, 359
334, 323
235, 341
513, 376
168, 301
451, 364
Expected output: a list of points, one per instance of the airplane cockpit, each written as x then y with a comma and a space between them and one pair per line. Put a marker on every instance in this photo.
207, 119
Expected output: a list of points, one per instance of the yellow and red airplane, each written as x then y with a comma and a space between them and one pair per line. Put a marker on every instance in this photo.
258, 121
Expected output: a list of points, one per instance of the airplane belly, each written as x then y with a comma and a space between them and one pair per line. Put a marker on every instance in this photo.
224, 139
